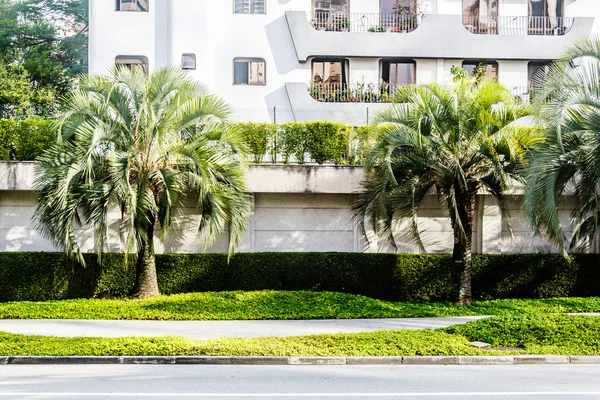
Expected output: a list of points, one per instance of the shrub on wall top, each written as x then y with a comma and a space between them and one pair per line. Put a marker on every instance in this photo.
25, 140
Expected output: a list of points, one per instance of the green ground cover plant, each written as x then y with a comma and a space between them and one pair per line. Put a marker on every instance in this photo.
539, 334
279, 305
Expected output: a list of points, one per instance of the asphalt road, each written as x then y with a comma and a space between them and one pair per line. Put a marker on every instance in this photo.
547, 382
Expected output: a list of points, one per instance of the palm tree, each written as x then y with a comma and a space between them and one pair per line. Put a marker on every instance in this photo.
141, 145
569, 160
451, 142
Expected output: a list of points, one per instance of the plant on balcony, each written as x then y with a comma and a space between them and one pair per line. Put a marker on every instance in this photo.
139, 145
448, 143
377, 29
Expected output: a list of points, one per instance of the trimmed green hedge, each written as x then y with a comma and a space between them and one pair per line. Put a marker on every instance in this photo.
301, 142
48, 276
24, 140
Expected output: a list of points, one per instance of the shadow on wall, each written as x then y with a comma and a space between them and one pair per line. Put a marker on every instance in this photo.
282, 46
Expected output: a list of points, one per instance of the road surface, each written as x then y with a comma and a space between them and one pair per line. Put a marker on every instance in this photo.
173, 382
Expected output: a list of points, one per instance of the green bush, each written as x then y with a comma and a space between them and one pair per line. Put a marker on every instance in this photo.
300, 142
398, 277
24, 140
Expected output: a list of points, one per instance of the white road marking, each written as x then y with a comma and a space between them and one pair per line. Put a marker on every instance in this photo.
358, 395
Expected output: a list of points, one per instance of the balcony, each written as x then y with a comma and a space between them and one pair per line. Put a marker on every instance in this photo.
391, 22
517, 25
434, 36
380, 93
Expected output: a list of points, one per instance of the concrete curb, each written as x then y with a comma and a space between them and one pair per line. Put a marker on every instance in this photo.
207, 360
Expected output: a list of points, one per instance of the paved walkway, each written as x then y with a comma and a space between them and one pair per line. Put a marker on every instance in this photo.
215, 329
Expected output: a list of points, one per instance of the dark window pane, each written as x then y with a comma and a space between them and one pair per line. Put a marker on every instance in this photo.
240, 73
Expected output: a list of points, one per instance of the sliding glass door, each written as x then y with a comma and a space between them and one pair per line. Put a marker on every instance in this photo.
546, 17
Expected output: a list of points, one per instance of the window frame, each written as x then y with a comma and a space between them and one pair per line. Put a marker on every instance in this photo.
477, 62
249, 13
191, 55
397, 61
312, 4
345, 78
249, 60
145, 62
118, 4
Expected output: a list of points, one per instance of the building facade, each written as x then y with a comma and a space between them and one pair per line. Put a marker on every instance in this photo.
334, 57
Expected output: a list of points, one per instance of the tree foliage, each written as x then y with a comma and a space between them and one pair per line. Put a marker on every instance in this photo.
451, 142
144, 146
569, 160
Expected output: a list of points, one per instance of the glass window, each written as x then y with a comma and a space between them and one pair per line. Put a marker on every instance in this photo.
330, 8
481, 16
132, 5
545, 17
249, 71
133, 62
488, 69
398, 6
329, 72
188, 61
398, 72
249, 6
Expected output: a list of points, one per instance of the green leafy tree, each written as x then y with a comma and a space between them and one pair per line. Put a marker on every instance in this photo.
19, 97
142, 145
568, 100
451, 142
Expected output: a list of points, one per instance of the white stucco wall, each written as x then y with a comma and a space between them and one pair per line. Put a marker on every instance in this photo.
211, 31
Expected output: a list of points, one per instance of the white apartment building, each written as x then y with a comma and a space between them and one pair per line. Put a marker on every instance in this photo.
265, 54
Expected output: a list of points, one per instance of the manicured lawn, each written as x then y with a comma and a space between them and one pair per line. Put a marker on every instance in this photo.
278, 305
553, 334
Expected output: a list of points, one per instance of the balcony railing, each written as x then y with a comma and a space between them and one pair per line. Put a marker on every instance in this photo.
378, 22
517, 25
381, 93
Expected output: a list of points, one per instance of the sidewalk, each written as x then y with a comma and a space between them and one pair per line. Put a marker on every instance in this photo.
216, 329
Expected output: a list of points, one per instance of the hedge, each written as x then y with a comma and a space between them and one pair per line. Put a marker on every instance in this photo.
301, 142
24, 140
403, 277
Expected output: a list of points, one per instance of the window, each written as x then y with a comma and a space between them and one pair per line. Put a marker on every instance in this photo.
249, 6
481, 68
546, 17
481, 16
398, 72
132, 5
249, 71
133, 62
330, 8
400, 7
188, 61
330, 72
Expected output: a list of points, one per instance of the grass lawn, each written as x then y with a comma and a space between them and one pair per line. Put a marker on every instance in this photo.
550, 334
278, 305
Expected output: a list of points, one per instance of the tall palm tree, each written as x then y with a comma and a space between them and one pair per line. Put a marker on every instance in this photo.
453, 142
141, 145
569, 160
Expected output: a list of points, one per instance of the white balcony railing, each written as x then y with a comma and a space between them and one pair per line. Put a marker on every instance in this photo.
378, 22
381, 93
517, 25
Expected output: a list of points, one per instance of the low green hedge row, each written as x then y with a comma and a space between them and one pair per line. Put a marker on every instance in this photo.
301, 142
403, 277
24, 140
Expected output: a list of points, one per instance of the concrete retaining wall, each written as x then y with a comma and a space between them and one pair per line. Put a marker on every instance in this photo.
296, 208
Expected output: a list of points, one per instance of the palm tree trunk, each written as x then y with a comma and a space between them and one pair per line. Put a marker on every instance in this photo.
146, 283
461, 253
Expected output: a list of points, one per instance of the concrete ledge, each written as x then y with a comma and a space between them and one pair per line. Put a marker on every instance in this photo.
584, 359
374, 360
430, 360
207, 360
485, 360
260, 360
541, 360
